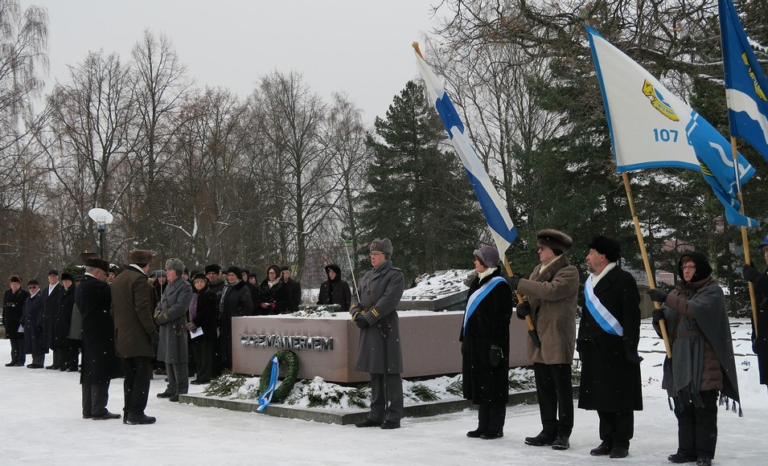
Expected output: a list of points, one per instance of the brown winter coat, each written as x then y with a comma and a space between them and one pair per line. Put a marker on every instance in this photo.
132, 311
552, 295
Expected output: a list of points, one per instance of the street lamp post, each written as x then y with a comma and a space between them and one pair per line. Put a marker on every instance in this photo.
102, 218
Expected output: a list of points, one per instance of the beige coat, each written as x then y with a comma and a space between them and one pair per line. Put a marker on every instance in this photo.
552, 295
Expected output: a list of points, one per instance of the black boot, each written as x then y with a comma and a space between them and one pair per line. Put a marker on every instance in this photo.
142, 418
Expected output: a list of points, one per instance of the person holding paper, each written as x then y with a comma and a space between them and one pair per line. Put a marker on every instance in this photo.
203, 316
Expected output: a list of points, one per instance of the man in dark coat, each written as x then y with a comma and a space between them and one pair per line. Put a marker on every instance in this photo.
13, 306
235, 301
100, 365
760, 331
379, 349
607, 343
66, 347
335, 290
135, 333
550, 295
203, 317
294, 289
32, 321
485, 345
702, 369
51, 304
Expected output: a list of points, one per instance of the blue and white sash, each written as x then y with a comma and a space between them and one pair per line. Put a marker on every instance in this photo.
604, 318
266, 398
478, 296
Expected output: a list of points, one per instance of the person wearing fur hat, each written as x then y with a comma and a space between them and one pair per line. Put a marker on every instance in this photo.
485, 345
379, 351
235, 301
13, 305
66, 347
171, 316
203, 315
607, 344
100, 364
215, 278
760, 332
32, 322
335, 290
702, 368
549, 297
135, 334
294, 289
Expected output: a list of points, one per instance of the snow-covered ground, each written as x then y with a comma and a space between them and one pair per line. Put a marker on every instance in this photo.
41, 424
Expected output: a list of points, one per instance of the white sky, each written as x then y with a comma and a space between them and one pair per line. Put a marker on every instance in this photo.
360, 47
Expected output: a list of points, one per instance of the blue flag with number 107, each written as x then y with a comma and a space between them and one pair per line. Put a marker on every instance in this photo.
745, 82
651, 127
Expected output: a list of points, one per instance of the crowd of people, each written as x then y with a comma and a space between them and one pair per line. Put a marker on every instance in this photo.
126, 321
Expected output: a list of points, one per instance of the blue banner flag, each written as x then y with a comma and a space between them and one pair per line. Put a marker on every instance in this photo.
745, 82
494, 209
651, 127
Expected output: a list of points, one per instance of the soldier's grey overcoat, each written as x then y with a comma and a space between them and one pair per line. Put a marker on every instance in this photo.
380, 291
171, 315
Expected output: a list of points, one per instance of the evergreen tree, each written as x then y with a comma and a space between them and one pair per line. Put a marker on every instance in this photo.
419, 196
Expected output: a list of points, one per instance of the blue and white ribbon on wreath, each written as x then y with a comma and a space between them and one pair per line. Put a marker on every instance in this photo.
478, 296
266, 398
602, 316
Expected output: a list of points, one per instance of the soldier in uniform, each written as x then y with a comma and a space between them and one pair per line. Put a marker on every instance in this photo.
379, 350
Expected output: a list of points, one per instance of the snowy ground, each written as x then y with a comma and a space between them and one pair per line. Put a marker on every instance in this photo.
41, 424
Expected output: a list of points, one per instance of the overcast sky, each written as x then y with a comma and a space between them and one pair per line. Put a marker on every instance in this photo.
360, 47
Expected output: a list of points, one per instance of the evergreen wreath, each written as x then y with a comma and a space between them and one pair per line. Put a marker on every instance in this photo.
284, 357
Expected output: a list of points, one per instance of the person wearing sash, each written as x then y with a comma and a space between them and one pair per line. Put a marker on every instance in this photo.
607, 344
760, 333
485, 345
549, 297
702, 370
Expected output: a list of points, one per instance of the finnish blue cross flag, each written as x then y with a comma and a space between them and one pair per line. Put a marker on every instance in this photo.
745, 82
494, 208
650, 127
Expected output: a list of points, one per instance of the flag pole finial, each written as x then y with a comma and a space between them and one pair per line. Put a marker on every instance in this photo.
415, 46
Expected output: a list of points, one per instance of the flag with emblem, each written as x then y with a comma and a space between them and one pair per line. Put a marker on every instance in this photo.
745, 82
650, 128
494, 208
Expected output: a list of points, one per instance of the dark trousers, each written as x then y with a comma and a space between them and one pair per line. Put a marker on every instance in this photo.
555, 392
65, 356
491, 417
617, 429
178, 378
38, 359
138, 372
95, 398
18, 356
697, 427
386, 398
203, 354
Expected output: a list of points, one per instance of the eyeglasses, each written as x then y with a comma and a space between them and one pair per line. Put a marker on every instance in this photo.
31, 287
376, 253
689, 267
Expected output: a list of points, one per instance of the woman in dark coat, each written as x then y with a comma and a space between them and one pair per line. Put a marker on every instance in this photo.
235, 301
62, 319
485, 345
335, 290
13, 306
275, 296
32, 320
203, 316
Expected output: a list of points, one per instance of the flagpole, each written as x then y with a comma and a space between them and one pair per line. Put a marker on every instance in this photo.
744, 239
646, 262
528, 318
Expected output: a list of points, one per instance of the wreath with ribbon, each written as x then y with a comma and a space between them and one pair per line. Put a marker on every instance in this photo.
268, 389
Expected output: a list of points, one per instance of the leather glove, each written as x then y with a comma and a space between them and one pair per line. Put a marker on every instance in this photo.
496, 355
513, 282
154, 337
751, 274
630, 353
523, 309
658, 315
657, 295
361, 322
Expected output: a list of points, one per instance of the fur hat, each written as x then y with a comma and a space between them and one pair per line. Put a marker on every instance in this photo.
608, 246
555, 240
97, 263
175, 264
382, 245
67, 276
235, 270
14, 279
139, 256
489, 255
215, 268
200, 276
